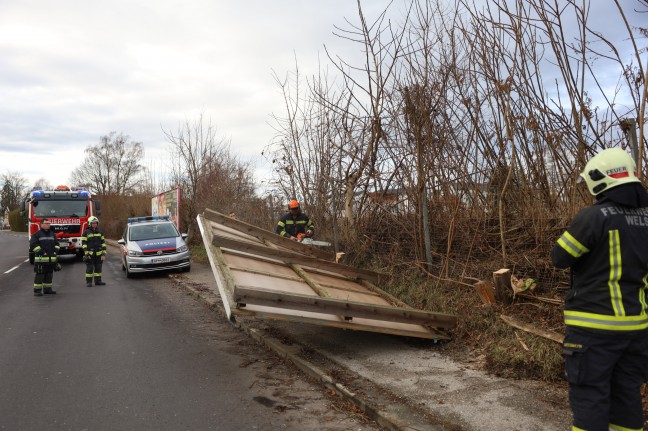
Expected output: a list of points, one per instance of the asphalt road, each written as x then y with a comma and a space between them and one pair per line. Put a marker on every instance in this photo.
138, 355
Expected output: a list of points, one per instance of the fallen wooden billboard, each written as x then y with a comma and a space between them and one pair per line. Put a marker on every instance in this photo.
261, 274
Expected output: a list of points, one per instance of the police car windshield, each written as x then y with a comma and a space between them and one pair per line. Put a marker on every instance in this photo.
152, 231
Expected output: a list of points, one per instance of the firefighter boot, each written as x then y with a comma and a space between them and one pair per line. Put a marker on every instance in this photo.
88, 281
38, 292
49, 291
98, 281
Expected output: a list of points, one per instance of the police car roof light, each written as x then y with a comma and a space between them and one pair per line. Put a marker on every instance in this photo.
147, 218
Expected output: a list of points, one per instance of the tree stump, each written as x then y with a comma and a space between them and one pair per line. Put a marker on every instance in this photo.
503, 289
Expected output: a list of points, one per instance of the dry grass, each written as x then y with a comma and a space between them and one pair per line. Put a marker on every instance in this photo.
198, 253
481, 336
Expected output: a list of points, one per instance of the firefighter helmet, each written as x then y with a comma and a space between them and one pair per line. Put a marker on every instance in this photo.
609, 168
93, 219
293, 204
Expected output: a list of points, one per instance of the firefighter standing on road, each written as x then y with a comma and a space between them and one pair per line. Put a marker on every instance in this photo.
45, 246
94, 252
295, 224
606, 340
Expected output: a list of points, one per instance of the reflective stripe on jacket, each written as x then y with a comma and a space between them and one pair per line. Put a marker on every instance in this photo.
93, 242
606, 246
44, 245
289, 226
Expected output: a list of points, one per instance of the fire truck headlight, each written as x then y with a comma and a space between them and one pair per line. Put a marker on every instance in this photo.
135, 253
182, 248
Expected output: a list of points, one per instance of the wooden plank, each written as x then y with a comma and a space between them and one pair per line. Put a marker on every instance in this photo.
295, 278
313, 271
253, 295
384, 295
550, 335
317, 288
219, 268
427, 333
290, 257
272, 237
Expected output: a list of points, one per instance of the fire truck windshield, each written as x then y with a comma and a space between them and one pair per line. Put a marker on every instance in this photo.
60, 208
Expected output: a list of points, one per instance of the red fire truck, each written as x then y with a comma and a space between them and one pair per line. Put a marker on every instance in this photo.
68, 212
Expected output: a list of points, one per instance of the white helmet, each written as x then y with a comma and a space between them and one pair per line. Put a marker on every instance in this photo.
609, 168
93, 219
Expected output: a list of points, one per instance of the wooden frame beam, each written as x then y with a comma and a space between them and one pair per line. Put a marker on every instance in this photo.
348, 309
272, 237
429, 333
224, 279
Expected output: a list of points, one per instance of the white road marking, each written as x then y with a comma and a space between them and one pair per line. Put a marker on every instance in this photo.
7, 272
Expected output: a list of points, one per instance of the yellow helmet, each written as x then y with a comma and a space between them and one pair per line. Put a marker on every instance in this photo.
609, 168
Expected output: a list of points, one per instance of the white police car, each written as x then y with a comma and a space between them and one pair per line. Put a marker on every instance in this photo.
153, 243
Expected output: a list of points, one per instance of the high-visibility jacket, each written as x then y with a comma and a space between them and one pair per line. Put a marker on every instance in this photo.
93, 242
45, 246
288, 226
606, 246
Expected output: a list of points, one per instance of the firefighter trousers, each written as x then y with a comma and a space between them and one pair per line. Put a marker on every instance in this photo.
43, 277
605, 372
93, 268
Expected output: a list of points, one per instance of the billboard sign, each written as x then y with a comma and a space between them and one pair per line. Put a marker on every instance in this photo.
167, 203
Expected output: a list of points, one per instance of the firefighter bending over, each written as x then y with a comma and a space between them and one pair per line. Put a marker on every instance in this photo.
606, 338
45, 246
94, 252
295, 224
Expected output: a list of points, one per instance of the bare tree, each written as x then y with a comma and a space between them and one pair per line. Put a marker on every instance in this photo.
206, 171
479, 114
111, 167
43, 184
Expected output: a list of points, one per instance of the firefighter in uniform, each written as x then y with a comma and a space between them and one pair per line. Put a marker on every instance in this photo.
45, 246
94, 252
295, 224
606, 339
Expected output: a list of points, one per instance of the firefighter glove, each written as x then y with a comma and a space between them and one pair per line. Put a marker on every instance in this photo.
103, 257
86, 257
57, 266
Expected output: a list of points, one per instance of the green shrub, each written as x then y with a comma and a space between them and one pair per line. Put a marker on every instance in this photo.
17, 223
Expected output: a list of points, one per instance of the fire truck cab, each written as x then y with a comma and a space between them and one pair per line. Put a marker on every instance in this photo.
68, 212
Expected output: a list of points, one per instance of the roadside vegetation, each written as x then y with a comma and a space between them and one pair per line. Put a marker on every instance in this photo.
446, 149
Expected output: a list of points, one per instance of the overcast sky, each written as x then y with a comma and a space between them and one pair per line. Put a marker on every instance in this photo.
74, 70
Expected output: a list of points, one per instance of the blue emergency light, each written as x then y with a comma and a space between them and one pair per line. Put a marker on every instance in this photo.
148, 218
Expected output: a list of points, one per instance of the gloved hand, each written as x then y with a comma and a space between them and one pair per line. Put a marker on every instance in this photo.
294, 238
103, 257
86, 257
57, 266
309, 233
